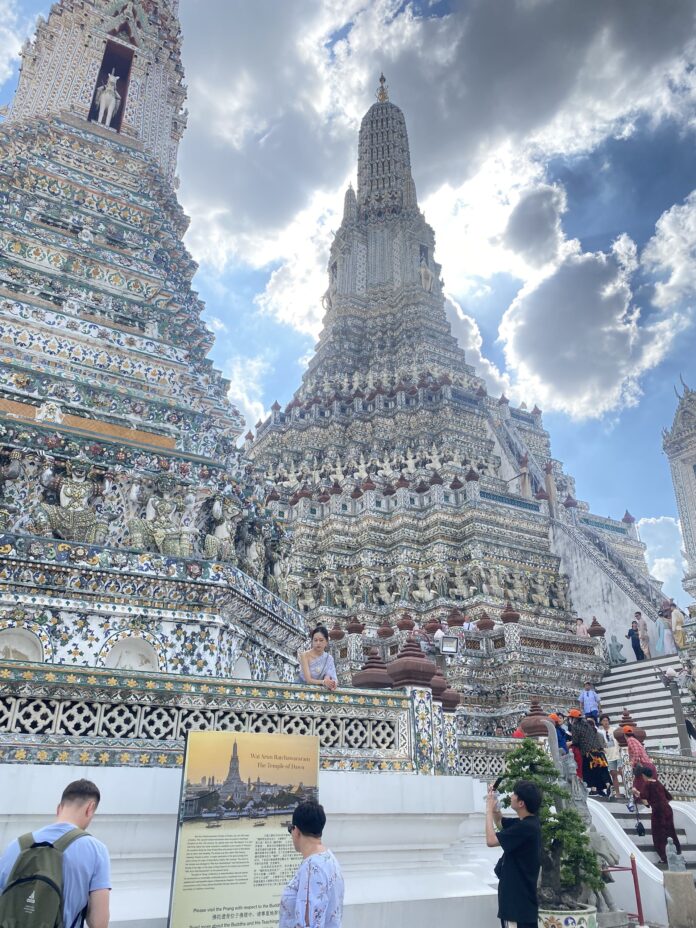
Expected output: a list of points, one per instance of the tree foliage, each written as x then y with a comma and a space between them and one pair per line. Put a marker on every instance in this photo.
568, 862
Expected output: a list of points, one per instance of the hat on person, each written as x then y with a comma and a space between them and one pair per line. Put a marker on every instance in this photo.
554, 717
575, 713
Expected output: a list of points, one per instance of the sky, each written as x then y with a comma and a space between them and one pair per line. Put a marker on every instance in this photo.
552, 150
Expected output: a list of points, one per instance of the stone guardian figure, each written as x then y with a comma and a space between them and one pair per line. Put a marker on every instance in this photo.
108, 99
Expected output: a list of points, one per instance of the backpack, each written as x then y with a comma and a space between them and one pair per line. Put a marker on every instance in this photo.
33, 896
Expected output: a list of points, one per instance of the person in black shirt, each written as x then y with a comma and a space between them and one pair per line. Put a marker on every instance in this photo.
518, 868
634, 637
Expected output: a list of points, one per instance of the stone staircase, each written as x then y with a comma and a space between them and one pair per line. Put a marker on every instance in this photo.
638, 687
627, 821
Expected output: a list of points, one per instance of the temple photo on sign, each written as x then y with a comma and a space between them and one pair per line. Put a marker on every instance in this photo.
348, 462
232, 797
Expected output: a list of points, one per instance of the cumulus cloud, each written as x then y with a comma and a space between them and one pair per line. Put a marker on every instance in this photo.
467, 333
575, 338
246, 386
663, 539
10, 38
671, 254
534, 227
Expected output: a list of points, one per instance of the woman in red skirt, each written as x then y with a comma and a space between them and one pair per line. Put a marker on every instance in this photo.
653, 794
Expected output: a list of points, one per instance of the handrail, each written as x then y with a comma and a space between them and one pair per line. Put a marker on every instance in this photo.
636, 886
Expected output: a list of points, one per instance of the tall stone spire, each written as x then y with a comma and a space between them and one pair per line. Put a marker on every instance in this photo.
384, 304
385, 184
82, 43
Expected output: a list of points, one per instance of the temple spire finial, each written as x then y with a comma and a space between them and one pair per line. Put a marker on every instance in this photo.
382, 92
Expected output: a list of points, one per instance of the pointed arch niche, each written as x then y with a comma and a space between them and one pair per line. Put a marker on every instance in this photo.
241, 669
119, 59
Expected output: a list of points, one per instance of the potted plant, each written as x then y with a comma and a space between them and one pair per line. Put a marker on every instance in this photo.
569, 866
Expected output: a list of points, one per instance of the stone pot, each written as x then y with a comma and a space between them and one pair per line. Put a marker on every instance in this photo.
583, 916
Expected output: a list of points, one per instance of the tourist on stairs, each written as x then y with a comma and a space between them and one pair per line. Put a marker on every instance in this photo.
589, 701
634, 637
653, 794
611, 752
561, 734
595, 770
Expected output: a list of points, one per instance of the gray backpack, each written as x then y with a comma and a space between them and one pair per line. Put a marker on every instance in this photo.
33, 897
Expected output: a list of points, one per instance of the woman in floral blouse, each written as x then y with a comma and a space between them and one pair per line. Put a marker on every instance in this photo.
314, 896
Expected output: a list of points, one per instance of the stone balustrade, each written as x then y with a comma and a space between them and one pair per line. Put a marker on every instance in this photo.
96, 716
484, 758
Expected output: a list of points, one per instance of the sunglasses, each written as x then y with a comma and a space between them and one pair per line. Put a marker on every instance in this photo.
290, 829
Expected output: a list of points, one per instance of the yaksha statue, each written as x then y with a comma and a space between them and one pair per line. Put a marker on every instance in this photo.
162, 528
219, 546
77, 516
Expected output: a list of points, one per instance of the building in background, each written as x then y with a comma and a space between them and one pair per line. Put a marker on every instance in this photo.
679, 444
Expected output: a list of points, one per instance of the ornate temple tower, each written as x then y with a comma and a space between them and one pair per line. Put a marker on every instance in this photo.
234, 787
679, 444
406, 487
83, 43
127, 512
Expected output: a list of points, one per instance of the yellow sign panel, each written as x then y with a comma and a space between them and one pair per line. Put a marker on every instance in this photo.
234, 854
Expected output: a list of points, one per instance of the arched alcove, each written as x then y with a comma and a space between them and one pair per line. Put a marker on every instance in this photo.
19, 644
273, 676
241, 669
132, 653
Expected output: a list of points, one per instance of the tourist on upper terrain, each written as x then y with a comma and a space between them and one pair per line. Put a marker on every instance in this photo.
561, 734
643, 635
60, 866
589, 701
317, 665
611, 752
634, 637
518, 868
586, 740
652, 793
314, 896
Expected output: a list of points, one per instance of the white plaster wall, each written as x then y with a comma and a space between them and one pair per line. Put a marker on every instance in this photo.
593, 592
411, 847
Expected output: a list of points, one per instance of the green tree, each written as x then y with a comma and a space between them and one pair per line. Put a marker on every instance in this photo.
568, 862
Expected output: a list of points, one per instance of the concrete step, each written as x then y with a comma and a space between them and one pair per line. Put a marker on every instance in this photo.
645, 666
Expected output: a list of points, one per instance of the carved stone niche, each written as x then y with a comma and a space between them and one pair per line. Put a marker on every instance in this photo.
19, 644
132, 653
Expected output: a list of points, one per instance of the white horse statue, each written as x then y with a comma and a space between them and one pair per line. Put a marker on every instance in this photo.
108, 99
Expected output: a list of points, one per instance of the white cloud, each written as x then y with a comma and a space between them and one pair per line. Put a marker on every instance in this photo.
574, 337
671, 254
467, 333
217, 325
663, 539
10, 38
246, 386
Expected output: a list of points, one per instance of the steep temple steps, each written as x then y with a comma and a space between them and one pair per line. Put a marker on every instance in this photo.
638, 687
627, 820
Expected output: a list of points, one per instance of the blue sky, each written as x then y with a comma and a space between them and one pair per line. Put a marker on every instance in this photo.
552, 149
